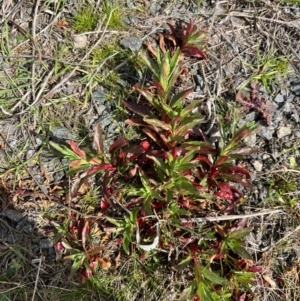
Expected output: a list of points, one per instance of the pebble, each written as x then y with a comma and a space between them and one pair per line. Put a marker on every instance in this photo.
13, 215
279, 98
283, 131
59, 133
132, 43
80, 41
257, 165
45, 243
295, 117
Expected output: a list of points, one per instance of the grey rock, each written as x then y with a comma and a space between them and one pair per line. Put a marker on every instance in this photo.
39, 140
17, 237
295, 117
13, 215
130, 4
59, 175
29, 154
132, 43
101, 109
279, 98
99, 96
266, 132
250, 140
154, 8
295, 88
27, 228
106, 120
60, 133
199, 80
45, 243
283, 131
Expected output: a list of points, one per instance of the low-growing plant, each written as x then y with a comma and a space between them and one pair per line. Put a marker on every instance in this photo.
170, 179
254, 101
268, 69
86, 19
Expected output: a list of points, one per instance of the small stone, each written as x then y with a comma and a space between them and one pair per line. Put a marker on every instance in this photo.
132, 43
250, 140
295, 117
18, 237
257, 165
80, 41
58, 176
39, 140
266, 132
13, 215
59, 133
99, 96
45, 243
283, 131
279, 98
295, 88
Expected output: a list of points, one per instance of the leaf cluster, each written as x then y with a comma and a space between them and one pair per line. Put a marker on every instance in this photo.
174, 174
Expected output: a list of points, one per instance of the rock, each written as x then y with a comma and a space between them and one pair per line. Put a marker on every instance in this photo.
250, 140
13, 215
105, 120
17, 237
59, 175
80, 41
39, 140
45, 243
60, 133
295, 117
132, 43
295, 88
257, 165
154, 8
266, 132
279, 98
99, 96
283, 131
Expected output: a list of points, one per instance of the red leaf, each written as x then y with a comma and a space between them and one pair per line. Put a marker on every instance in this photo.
136, 108
203, 159
103, 204
118, 144
193, 51
77, 150
94, 169
255, 269
239, 170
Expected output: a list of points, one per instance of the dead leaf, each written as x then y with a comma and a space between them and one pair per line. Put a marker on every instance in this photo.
62, 23
105, 265
269, 280
162, 43
150, 48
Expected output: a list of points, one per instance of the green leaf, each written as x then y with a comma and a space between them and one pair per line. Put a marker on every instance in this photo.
213, 277
186, 187
241, 233
204, 292
65, 151
236, 247
175, 58
179, 97
158, 123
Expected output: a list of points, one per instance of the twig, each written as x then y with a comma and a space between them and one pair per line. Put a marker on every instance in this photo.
36, 279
